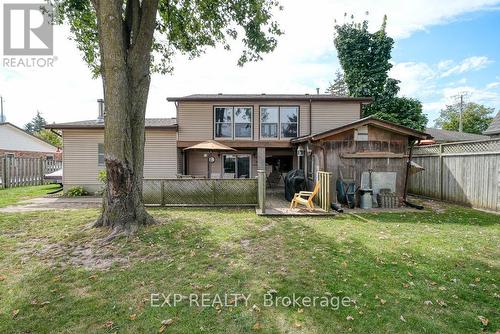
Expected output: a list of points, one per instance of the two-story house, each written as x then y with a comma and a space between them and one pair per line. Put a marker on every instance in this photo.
259, 127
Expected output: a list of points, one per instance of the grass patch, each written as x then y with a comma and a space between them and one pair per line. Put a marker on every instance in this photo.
12, 196
56, 277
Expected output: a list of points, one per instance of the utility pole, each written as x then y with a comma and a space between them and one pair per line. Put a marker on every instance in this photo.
2, 116
460, 124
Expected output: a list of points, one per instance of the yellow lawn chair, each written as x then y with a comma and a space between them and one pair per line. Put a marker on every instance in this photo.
305, 198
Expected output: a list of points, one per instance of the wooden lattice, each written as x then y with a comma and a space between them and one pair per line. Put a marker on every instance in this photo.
200, 191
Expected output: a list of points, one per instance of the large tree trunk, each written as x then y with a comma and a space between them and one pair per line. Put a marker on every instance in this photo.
125, 45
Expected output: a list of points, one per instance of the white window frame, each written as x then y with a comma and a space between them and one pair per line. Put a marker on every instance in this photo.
279, 130
233, 123
236, 163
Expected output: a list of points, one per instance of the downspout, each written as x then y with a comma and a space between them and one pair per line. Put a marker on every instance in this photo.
310, 116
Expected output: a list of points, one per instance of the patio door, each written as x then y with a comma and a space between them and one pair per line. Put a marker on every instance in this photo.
236, 166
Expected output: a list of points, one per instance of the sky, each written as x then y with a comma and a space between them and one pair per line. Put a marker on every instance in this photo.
442, 48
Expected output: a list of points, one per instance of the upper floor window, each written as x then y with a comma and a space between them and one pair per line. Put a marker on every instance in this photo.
233, 122
279, 122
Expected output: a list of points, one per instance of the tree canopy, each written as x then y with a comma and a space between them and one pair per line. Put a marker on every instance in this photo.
475, 118
36, 124
181, 26
365, 60
338, 87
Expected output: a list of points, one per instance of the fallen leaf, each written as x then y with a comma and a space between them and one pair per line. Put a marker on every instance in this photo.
300, 310
349, 318
133, 317
257, 326
478, 279
108, 324
410, 274
15, 313
297, 325
93, 277
383, 301
484, 320
2, 278
406, 285
442, 288
442, 303
428, 302
44, 303
167, 322
255, 308
402, 318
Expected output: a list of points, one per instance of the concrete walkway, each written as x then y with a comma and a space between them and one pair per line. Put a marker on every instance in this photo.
54, 203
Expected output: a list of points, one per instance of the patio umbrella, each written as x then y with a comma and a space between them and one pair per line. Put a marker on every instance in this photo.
210, 146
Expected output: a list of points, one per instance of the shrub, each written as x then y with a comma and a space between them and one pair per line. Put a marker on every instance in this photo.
76, 192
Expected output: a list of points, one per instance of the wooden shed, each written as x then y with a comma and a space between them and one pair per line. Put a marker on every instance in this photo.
367, 146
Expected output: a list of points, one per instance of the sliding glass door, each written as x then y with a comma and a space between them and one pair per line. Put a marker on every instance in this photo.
236, 166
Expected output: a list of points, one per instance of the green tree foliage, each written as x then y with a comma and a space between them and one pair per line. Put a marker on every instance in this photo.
50, 137
182, 26
36, 124
475, 118
365, 60
338, 87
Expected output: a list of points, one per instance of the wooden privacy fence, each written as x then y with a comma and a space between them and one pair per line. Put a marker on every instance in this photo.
324, 197
466, 173
200, 192
19, 172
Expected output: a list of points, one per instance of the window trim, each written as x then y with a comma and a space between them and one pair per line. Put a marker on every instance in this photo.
279, 106
233, 137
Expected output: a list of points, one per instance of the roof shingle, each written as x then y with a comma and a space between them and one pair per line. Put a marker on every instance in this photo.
162, 123
269, 97
494, 127
441, 135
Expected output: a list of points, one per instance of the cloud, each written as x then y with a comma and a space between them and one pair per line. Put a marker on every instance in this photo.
298, 65
468, 64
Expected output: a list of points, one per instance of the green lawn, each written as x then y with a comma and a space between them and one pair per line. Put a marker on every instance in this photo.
13, 195
424, 272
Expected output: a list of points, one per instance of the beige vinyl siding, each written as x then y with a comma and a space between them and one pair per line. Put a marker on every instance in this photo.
195, 119
80, 167
330, 115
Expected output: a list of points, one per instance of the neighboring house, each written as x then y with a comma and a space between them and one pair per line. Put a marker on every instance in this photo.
261, 128
493, 131
441, 136
16, 142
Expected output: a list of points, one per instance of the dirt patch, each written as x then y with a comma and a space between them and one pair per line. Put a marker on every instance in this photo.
53, 203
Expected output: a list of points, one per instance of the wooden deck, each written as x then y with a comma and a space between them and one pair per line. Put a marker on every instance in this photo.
277, 205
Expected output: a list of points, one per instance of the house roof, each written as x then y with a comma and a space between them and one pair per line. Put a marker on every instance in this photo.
269, 97
441, 135
364, 121
494, 127
28, 134
156, 123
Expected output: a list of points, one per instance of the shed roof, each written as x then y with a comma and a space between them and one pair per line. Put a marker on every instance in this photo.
269, 97
159, 123
364, 121
494, 127
441, 135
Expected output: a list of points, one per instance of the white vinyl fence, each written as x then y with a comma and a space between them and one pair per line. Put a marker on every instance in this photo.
20, 172
466, 173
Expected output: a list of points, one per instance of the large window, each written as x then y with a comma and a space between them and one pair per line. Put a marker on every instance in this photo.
279, 122
233, 122
269, 120
236, 166
289, 117
100, 154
